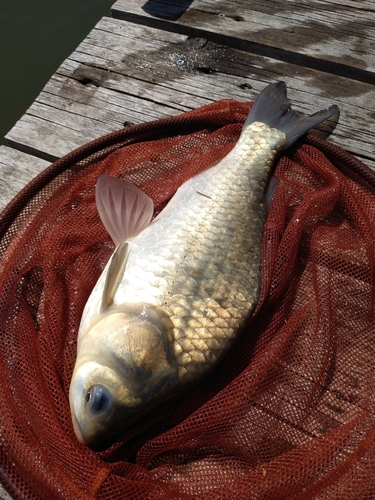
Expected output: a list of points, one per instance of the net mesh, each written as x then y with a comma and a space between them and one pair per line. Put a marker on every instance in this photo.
288, 413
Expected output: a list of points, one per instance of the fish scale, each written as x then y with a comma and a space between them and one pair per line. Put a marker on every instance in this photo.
199, 260
176, 292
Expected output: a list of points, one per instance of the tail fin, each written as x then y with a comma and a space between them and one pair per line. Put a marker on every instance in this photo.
273, 108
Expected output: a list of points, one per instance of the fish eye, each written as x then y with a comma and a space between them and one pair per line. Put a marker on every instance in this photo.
98, 399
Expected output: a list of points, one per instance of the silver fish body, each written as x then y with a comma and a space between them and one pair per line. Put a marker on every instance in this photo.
198, 262
188, 282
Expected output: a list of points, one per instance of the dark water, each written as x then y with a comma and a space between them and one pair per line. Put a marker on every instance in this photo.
35, 38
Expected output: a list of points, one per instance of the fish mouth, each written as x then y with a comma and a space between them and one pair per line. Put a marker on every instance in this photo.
77, 429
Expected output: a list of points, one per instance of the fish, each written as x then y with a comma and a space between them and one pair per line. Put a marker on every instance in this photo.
177, 289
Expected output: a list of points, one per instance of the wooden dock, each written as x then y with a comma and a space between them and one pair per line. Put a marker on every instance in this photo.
159, 58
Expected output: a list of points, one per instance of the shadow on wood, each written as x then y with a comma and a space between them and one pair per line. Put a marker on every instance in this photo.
169, 11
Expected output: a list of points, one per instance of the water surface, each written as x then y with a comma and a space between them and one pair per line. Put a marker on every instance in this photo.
35, 38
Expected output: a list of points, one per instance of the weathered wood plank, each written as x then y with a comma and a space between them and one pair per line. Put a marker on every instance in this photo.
124, 73
16, 170
333, 36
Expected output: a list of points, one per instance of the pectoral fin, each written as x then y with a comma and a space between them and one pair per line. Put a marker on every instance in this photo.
123, 208
114, 274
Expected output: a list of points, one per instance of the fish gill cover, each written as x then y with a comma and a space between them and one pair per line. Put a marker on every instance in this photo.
288, 413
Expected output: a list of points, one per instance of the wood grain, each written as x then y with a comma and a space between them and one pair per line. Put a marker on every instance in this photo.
124, 73
333, 36
16, 170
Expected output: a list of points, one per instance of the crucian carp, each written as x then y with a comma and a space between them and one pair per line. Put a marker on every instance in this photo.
177, 289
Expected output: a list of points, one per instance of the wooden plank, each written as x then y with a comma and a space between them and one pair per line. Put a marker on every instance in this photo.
16, 170
329, 35
124, 73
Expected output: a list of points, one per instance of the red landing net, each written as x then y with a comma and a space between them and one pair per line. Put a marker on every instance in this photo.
289, 412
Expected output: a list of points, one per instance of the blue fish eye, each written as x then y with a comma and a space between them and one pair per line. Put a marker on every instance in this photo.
98, 399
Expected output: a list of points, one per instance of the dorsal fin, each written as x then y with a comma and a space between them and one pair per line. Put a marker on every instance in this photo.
123, 208
114, 274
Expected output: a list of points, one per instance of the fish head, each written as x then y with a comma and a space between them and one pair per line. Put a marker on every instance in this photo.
125, 364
